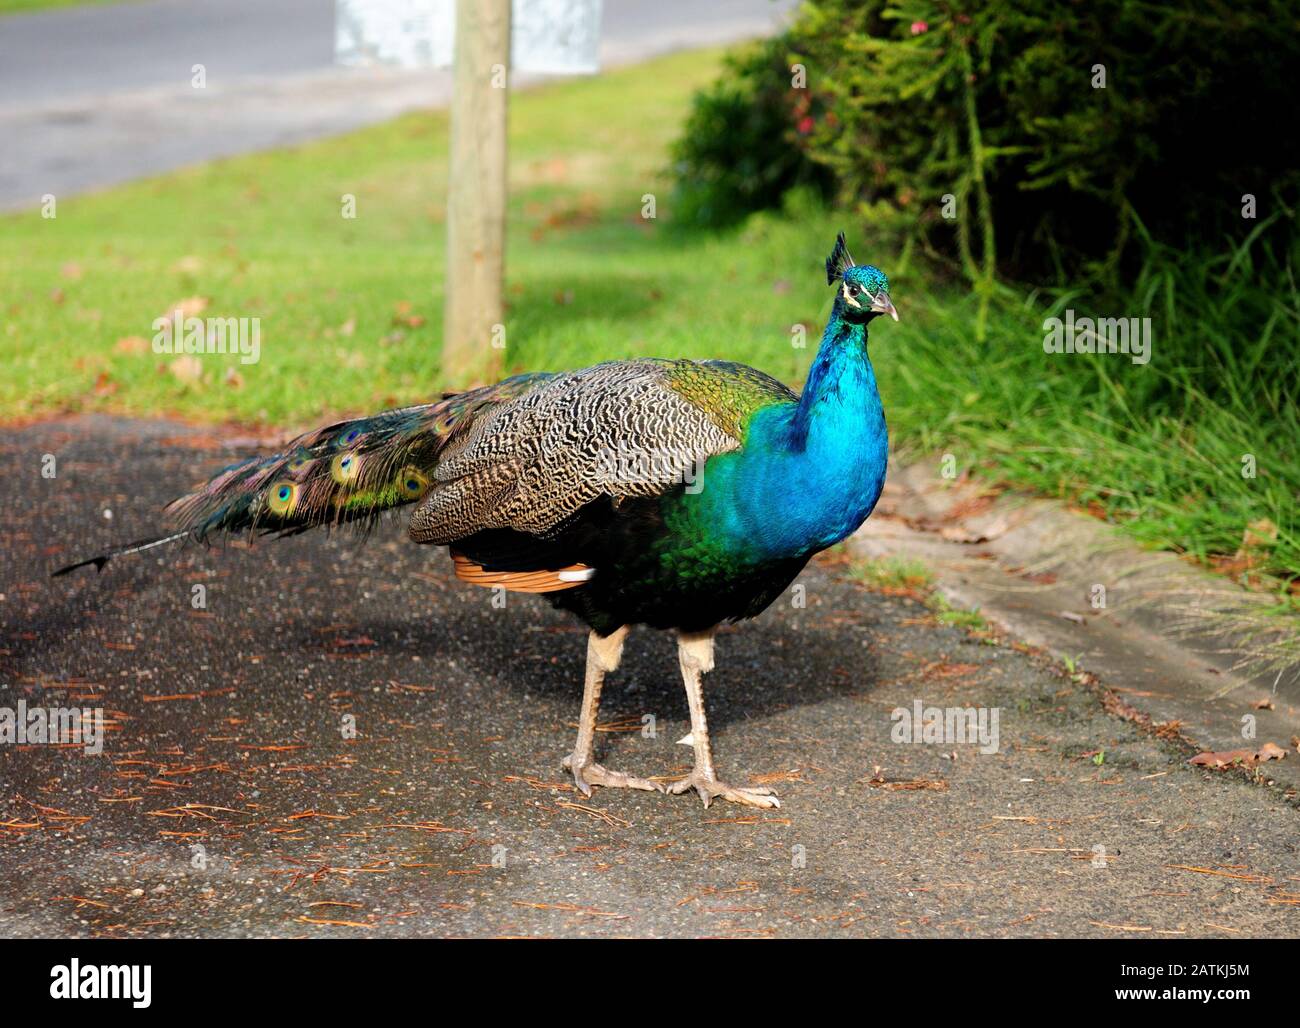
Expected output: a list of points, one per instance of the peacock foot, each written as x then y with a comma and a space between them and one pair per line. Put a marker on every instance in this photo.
710, 789
587, 775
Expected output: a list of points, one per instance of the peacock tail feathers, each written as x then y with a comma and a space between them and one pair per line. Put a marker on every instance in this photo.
347, 473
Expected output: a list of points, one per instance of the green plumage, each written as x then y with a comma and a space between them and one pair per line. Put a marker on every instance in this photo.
729, 392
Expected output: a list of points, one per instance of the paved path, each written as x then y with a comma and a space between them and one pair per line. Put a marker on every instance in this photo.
92, 96
226, 734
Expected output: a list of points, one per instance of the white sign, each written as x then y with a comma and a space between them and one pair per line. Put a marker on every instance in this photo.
557, 37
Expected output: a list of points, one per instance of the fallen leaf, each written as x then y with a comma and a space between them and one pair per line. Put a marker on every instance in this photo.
1265, 704
1259, 535
132, 344
1227, 758
190, 307
963, 534
969, 507
186, 368
877, 781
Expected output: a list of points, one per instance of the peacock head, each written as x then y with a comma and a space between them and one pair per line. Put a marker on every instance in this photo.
864, 289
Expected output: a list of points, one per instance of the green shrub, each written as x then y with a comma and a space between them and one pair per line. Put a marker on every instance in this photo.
738, 153
996, 105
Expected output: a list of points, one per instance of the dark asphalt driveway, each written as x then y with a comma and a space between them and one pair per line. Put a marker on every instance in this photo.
448, 813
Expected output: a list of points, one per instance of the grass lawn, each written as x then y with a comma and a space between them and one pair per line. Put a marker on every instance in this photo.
351, 308
350, 311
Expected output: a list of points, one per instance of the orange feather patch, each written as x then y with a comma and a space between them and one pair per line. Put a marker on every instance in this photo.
544, 581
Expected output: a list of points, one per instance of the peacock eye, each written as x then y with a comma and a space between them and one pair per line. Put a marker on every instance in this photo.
854, 290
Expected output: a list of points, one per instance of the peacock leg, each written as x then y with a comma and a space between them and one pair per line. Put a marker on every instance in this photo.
603, 655
695, 653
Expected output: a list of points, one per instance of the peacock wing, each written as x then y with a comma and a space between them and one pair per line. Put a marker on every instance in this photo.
622, 429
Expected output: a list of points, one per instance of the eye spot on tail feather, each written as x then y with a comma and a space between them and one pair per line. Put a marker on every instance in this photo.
282, 498
345, 467
412, 482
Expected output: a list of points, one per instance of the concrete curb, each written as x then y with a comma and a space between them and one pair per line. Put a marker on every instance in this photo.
1170, 639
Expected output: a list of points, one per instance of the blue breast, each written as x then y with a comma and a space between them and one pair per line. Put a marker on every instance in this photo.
809, 473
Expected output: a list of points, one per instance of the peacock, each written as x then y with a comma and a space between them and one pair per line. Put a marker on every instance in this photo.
677, 494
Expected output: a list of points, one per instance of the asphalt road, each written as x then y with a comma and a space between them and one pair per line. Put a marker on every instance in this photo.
92, 96
448, 813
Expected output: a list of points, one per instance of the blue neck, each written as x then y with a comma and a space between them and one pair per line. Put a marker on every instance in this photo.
840, 402
810, 472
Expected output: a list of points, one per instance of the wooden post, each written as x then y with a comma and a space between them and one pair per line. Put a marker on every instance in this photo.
473, 336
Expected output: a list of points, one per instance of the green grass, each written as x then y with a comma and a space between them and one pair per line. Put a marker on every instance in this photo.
351, 311
26, 6
1159, 447
894, 574
971, 620
901, 576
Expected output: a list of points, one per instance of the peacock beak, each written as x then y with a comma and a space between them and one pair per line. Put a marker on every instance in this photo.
882, 304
